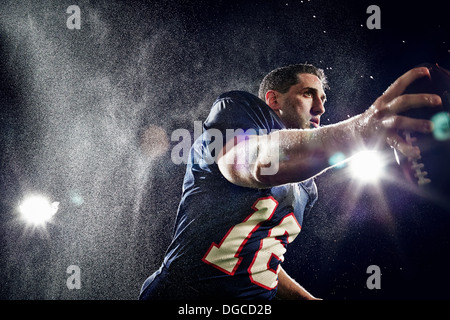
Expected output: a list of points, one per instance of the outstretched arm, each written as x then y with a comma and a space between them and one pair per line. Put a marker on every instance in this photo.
303, 153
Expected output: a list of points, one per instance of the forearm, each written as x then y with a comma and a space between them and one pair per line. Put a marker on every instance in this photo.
286, 156
289, 289
302, 154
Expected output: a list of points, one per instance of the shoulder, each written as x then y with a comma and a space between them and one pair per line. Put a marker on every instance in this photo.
243, 109
239, 95
243, 99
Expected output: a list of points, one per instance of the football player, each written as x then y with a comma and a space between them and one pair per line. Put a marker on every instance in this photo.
237, 216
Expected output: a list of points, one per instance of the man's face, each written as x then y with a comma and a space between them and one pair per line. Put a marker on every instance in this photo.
302, 106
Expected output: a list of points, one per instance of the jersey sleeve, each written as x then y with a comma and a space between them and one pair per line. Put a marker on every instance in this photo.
238, 110
235, 114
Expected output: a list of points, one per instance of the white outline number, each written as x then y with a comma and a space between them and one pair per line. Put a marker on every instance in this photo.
225, 256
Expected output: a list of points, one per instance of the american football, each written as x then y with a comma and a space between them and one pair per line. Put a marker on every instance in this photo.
430, 174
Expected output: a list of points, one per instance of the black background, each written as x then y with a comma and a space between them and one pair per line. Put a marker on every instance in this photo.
75, 102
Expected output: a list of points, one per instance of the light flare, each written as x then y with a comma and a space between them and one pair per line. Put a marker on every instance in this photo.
37, 210
367, 166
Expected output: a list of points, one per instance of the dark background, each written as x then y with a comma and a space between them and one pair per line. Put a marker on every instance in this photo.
74, 104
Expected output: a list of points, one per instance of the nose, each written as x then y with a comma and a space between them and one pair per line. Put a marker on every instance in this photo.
317, 108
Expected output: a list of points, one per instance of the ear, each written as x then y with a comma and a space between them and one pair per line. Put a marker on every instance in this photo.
272, 100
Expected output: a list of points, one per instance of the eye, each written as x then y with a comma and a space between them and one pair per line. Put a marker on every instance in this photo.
307, 94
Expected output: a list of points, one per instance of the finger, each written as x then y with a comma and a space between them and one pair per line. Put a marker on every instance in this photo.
397, 142
400, 85
413, 101
409, 124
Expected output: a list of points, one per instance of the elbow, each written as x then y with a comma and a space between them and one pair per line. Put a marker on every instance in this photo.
266, 175
249, 177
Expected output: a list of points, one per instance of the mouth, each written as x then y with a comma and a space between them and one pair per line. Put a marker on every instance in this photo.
314, 123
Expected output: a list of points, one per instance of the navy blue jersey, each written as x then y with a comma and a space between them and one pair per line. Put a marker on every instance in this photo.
229, 240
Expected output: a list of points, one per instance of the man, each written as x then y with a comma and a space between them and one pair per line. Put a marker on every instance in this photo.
236, 217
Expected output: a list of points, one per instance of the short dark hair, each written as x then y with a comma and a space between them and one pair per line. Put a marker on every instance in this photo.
281, 79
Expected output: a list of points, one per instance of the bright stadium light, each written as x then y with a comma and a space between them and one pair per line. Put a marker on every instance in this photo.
37, 210
367, 166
